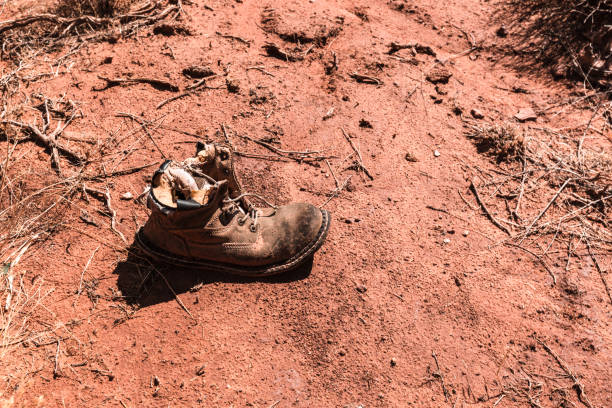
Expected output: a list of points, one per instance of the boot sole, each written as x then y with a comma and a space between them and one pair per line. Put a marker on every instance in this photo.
265, 270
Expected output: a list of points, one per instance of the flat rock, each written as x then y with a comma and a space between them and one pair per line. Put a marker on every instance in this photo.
525, 114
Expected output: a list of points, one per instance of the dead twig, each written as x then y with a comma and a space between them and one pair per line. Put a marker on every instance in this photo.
486, 211
332, 173
143, 123
599, 270
190, 90
577, 386
365, 79
117, 173
80, 288
56, 367
47, 140
158, 84
336, 192
105, 197
541, 214
357, 164
178, 300
234, 37
538, 257
226, 136
277, 150
438, 374
113, 216
261, 69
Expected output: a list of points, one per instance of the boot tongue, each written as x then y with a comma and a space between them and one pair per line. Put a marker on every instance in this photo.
220, 195
216, 161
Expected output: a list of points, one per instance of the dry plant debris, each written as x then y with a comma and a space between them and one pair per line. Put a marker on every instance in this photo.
504, 141
34, 203
557, 194
33, 33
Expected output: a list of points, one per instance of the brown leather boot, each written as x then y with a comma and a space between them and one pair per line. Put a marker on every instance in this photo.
218, 232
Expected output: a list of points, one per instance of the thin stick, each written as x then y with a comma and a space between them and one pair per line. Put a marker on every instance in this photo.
601, 273
144, 125
233, 37
440, 375
577, 386
190, 90
172, 99
226, 136
484, 208
467, 202
332, 173
360, 163
178, 300
539, 258
365, 79
277, 150
46, 140
9, 297
201, 82
499, 400
113, 216
156, 83
528, 230
105, 197
522, 191
119, 172
335, 193
80, 289
56, 367
260, 69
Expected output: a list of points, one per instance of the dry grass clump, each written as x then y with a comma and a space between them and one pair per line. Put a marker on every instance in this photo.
98, 8
504, 142
555, 202
572, 37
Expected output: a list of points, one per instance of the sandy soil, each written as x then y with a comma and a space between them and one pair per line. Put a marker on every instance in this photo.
389, 314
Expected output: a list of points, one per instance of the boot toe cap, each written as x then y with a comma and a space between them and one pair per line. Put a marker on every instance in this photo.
300, 227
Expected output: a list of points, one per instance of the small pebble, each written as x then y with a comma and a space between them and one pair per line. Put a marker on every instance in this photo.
466, 233
393, 362
361, 289
447, 240
127, 196
436, 153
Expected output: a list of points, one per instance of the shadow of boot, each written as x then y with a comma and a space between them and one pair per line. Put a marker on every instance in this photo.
144, 282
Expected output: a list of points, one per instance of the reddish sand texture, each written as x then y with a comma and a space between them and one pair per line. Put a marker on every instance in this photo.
412, 301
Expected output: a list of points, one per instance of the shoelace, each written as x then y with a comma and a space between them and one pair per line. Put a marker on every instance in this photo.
252, 212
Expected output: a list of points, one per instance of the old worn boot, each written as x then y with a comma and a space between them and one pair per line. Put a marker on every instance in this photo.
197, 221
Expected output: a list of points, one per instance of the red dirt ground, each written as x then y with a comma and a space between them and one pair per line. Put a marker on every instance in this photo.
386, 295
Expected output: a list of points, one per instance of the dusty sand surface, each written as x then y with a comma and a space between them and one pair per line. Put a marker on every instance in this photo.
412, 301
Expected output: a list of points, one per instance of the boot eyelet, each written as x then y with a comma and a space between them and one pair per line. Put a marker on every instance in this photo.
253, 228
